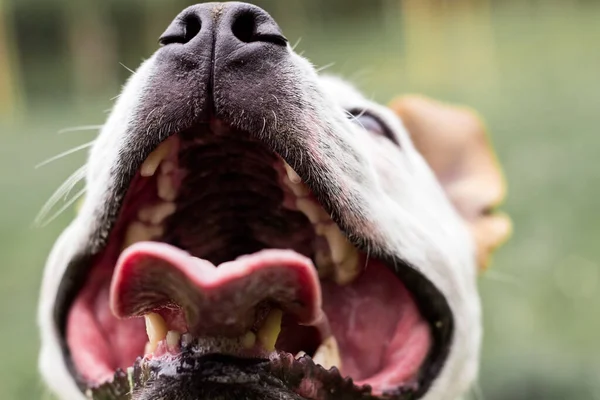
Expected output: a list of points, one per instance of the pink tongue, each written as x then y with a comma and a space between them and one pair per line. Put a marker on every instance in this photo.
151, 276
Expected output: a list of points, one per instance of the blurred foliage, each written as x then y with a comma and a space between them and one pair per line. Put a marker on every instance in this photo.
530, 67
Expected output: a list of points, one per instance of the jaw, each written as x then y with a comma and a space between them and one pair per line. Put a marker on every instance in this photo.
215, 196
351, 191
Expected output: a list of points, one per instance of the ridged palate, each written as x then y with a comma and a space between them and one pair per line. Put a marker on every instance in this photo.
230, 200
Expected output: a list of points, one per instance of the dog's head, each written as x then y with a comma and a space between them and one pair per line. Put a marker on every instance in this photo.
252, 230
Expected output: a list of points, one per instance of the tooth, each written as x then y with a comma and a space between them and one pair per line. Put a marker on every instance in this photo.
338, 244
156, 328
173, 338
249, 340
292, 175
139, 232
186, 339
328, 354
343, 254
348, 270
165, 188
299, 189
151, 164
299, 355
157, 213
313, 211
167, 167
268, 333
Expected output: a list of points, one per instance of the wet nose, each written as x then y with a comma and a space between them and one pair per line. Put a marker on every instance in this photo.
220, 60
232, 25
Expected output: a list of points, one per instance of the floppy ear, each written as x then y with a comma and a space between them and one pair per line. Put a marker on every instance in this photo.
453, 141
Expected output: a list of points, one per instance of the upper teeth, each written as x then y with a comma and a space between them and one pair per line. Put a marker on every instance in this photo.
313, 211
155, 214
151, 164
343, 254
292, 175
342, 264
140, 232
166, 190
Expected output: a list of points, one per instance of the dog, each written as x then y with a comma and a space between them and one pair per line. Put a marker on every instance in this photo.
252, 230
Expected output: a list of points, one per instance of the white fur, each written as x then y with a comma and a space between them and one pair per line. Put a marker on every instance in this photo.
405, 200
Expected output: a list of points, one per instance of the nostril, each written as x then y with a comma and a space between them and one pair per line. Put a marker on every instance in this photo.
189, 27
244, 27
249, 27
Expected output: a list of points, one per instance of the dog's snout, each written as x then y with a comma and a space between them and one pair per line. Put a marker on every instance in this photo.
226, 59
224, 21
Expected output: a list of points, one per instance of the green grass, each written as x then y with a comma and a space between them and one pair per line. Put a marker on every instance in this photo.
541, 99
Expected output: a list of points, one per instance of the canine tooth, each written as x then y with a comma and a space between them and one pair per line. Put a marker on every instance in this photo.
157, 213
268, 333
299, 189
338, 244
151, 164
300, 354
292, 175
313, 211
156, 328
249, 340
328, 354
347, 271
343, 254
173, 338
165, 188
138, 232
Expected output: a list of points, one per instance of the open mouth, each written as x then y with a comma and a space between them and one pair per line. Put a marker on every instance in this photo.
221, 249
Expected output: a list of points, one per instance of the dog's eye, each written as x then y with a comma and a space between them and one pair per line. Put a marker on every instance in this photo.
373, 124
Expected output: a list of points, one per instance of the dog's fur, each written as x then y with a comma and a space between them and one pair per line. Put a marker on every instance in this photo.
423, 200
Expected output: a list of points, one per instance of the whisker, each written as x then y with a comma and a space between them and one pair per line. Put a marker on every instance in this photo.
63, 189
65, 153
81, 128
324, 67
297, 43
65, 206
127, 68
355, 118
504, 278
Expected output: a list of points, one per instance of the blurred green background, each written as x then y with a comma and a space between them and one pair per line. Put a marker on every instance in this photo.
531, 67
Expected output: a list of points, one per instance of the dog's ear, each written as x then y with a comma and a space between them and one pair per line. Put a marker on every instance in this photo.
453, 141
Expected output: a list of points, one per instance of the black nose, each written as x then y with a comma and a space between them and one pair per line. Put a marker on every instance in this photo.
232, 23
227, 61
